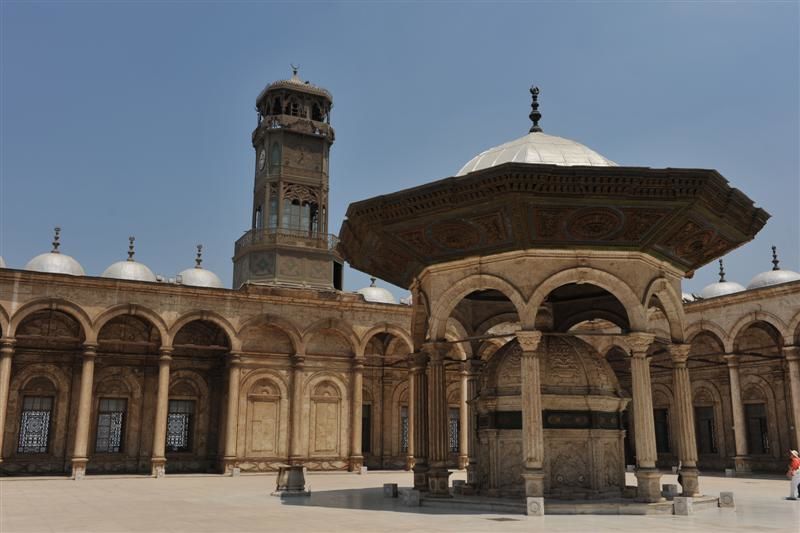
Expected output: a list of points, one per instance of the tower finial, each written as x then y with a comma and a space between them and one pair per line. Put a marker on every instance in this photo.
56, 239
295, 68
371, 282
775, 258
535, 116
199, 259
131, 251
721, 272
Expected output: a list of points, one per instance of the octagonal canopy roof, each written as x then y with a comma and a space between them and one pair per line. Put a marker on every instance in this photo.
537, 148
687, 217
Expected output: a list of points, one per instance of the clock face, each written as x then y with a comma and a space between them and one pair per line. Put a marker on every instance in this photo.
262, 159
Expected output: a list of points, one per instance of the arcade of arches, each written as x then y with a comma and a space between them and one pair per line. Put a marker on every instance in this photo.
184, 379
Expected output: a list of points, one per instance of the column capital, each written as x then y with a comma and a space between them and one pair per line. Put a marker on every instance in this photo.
89, 349
640, 342
297, 361
679, 353
436, 350
165, 353
791, 353
417, 361
473, 366
528, 341
7, 346
234, 358
358, 364
732, 359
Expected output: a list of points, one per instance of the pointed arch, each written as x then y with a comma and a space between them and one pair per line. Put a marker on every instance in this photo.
339, 326
672, 306
207, 316
385, 327
283, 325
760, 316
448, 301
708, 326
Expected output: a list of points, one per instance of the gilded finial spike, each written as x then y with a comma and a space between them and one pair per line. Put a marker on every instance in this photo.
721, 272
56, 239
775, 258
295, 68
535, 116
131, 250
199, 259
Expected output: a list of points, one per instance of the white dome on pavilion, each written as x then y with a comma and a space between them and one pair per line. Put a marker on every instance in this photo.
722, 287
129, 269
376, 294
776, 276
198, 276
55, 262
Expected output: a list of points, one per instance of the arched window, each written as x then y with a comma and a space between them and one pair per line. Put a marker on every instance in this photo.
316, 113
276, 106
259, 220
36, 418
111, 414
300, 216
275, 157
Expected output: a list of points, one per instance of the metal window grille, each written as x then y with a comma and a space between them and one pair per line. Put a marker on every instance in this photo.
452, 430
179, 425
110, 425
404, 429
34, 428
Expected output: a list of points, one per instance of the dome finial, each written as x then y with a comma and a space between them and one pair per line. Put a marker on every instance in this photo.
295, 68
535, 116
199, 259
775, 258
131, 251
721, 272
56, 239
371, 282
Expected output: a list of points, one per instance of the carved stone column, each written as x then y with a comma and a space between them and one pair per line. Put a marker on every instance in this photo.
232, 412
438, 448
410, 457
647, 476
792, 354
684, 411
158, 460
419, 419
296, 434
356, 457
532, 432
463, 420
79, 454
473, 371
739, 426
6, 353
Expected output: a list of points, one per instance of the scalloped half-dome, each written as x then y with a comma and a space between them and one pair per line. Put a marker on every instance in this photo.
537, 148
721, 288
129, 270
55, 263
200, 277
772, 277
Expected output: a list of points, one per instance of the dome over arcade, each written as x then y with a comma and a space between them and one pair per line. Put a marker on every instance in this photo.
537, 147
55, 262
722, 287
129, 269
776, 276
199, 276
377, 295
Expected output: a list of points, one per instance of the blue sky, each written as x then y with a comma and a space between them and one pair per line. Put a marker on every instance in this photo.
123, 118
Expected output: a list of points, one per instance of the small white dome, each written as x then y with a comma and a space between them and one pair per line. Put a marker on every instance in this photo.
537, 148
200, 277
720, 288
55, 263
2, 263
130, 270
377, 295
687, 297
772, 277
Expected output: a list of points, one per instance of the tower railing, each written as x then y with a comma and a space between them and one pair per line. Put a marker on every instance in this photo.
290, 237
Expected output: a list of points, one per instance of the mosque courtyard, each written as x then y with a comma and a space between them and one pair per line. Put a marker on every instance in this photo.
339, 502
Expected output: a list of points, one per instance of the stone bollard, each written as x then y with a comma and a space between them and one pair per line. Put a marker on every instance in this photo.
682, 505
235, 472
390, 490
410, 498
726, 499
534, 506
669, 491
362, 470
730, 472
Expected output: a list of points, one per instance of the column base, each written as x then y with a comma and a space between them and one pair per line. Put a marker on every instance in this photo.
438, 483
158, 466
410, 462
421, 477
78, 468
648, 487
534, 483
742, 463
356, 462
229, 466
690, 485
463, 461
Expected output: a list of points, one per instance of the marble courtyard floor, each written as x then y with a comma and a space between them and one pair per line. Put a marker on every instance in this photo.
340, 502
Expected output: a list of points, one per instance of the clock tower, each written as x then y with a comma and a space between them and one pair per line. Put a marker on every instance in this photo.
288, 242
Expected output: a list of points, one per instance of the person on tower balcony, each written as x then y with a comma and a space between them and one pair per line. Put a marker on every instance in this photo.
793, 473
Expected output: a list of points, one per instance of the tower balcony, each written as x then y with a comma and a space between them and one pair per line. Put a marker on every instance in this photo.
286, 237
